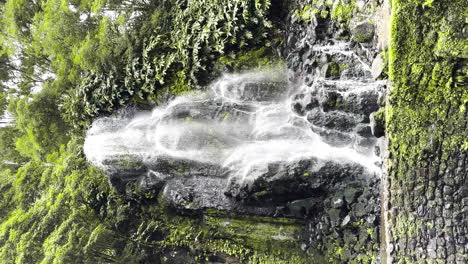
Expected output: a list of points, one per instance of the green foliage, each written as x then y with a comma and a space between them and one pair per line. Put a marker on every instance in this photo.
41, 203
175, 53
16, 20
3, 102
341, 11
8, 154
306, 14
4, 75
40, 124
61, 211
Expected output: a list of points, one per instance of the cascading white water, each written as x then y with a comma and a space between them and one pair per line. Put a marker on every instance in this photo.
244, 123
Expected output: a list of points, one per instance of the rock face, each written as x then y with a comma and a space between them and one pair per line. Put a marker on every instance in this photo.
339, 95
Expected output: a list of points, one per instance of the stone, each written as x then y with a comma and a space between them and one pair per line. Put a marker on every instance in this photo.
382, 16
360, 210
364, 130
362, 32
382, 99
346, 220
377, 125
350, 195
448, 190
377, 66
349, 238
298, 108
362, 103
312, 104
334, 214
337, 202
301, 208
332, 120
333, 137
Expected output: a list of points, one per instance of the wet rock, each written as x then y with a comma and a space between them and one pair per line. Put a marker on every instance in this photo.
313, 103
360, 102
123, 170
377, 125
301, 208
350, 195
362, 32
337, 202
208, 110
364, 130
153, 180
298, 108
377, 151
332, 120
381, 101
360, 209
263, 91
333, 137
335, 218
330, 100
349, 238
346, 220
377, 66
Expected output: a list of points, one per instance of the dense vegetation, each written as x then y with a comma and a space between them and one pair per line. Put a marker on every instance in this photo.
64, 62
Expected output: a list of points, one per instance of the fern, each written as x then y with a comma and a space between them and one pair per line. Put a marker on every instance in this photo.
183, 45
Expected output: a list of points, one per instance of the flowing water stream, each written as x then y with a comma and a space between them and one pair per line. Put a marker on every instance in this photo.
248, 121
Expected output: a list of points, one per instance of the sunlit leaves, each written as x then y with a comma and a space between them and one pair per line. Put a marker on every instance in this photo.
40, 124
43, 212
179, 37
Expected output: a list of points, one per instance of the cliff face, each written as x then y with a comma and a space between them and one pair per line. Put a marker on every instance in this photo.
423, 190
339, 55
427, 131
323, 38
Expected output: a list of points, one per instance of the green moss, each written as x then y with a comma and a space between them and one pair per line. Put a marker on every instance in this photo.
427, 114
128, 162
361, 38
423, 82
343, 10
335, 69
380, 117
226, 116
247, 238
260, 58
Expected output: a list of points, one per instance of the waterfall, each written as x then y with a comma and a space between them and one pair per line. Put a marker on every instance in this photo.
246, 122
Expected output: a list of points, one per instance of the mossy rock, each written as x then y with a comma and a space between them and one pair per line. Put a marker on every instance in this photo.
363, 32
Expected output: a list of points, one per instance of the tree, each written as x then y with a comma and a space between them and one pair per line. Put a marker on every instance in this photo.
9, 156
40, 123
